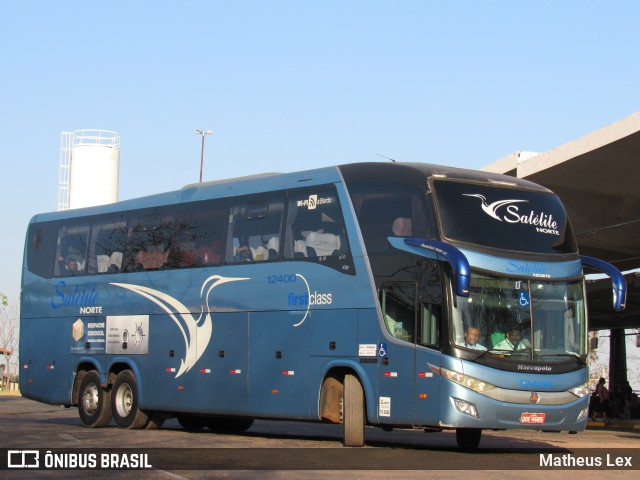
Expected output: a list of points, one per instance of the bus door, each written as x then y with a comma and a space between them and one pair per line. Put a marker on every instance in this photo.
396, 357
429, 318
408, 388
427, 359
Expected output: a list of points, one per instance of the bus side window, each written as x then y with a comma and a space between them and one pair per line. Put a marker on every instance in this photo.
254, 229
398, 304
199, 234
41, 248
385, 209
71, 252
108, 239
429, 332
430, 322
315, 228
149, 242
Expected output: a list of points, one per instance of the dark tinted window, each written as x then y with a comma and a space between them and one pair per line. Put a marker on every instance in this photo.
199, 234
386, 209
315, 229
254, 229
398, 304
41, 248
505, 218
71, 253
412, 315
108, 239
149, 241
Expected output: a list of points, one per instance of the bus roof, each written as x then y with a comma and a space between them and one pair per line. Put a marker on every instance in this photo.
416, 173
202, 191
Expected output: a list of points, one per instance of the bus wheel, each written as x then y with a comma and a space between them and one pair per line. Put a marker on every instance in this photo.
193, 424
352, 412
124, 402
94, 405
468, 438
229, 425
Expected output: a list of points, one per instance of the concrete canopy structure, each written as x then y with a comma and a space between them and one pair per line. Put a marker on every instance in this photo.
598, 178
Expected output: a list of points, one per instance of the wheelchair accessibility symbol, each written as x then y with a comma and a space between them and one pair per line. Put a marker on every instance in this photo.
523, 299
382, 350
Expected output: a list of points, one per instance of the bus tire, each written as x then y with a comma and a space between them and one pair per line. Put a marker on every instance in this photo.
468, 438
94, 404
352, 412
124, 402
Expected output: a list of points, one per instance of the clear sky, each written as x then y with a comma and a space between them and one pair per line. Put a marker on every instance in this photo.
289, 85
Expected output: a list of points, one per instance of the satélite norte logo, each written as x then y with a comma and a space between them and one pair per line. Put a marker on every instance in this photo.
83, 296
508, 211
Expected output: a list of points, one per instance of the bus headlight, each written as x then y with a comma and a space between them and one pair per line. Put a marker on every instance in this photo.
580, 391
466, 381
465, 407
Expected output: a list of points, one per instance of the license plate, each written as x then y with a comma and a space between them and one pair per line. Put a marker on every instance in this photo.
533, 418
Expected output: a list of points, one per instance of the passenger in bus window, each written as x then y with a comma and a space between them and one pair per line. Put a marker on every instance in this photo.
243, 254
72, 266
471, 336
511, 341
401, 227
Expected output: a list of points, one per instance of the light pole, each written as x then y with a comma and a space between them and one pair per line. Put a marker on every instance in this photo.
203, 133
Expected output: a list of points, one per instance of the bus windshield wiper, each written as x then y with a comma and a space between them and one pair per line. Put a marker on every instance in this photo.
581, 362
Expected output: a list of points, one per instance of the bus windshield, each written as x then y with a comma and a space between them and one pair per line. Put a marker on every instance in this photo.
534, 320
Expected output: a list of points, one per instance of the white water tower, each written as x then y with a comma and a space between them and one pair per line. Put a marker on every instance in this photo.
89, 166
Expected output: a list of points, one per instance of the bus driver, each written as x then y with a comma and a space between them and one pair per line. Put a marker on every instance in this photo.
471, 339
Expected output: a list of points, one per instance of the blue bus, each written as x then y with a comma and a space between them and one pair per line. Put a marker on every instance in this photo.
394, 295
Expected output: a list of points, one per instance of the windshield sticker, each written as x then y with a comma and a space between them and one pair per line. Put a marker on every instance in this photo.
523, 300
196, 332
508, 211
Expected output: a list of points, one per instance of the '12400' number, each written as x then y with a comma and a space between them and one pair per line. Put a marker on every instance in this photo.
286, 278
